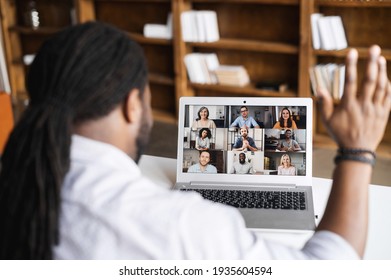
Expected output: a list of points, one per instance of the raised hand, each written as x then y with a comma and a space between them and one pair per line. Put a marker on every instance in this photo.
360, 119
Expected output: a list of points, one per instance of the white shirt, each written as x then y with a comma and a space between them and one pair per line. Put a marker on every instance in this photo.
110, 211
242, 168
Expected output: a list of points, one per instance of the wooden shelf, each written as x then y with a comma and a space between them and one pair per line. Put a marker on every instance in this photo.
153, 41
161, 79
354, 3
273, 2
144, 1
37, 31
362, 52
248, 45
247, 90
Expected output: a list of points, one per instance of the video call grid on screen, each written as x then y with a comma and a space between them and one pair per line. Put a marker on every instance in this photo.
224, 140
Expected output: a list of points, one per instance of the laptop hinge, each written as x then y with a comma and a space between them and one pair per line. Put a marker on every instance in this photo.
248, 185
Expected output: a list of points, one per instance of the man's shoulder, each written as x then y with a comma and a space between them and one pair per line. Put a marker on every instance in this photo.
193, 167
212, 167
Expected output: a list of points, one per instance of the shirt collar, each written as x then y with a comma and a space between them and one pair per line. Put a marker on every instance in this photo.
86, 149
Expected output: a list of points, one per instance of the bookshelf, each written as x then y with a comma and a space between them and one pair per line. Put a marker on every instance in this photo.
22, 38
270, 38
131, 16
366, 23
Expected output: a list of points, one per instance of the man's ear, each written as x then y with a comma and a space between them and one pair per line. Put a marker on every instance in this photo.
132, 106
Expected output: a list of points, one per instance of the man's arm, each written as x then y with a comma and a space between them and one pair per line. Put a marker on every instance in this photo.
254, 123
251, 145
238, 144
296, 146
235, 123
358, 122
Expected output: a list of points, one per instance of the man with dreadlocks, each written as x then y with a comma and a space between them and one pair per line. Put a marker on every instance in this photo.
70, 187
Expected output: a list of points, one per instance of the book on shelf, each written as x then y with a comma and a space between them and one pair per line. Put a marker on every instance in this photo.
315, 30
325, 34
338, 32
188, 26
314, 84
211, 26
328, 32
199, 26
201, 66
204, 68
159, 31
232, 75
330, 76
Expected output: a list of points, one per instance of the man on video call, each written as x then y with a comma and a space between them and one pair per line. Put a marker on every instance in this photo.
242, 166
244, 119
244, 142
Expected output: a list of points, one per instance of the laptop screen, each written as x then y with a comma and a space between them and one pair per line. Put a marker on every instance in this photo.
245, 137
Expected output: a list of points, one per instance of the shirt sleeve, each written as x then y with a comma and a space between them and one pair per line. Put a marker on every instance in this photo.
191, 169
223, 235
238, 143
252, 143
197, 142
235, 123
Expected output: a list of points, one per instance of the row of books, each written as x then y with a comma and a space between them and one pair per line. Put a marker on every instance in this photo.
328, 32
199, 26
330, 76
204, 68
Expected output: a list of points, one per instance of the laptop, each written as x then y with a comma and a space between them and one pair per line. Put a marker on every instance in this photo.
241, 157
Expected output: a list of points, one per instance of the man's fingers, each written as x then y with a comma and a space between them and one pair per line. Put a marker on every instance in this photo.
326, 103
371, 73
382, 82
387, 97
350, 90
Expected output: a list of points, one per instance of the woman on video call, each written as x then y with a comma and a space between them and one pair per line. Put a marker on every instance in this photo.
286, 168
285, 120
203, 119
203, 139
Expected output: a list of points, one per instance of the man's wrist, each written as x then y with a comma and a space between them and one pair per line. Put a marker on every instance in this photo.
356, 154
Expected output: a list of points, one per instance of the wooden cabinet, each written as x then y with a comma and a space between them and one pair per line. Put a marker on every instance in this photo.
22, 38
270, 38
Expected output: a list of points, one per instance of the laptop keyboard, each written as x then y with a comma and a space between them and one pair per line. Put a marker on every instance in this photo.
255, 199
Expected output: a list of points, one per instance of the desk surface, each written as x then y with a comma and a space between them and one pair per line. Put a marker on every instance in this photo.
163, 171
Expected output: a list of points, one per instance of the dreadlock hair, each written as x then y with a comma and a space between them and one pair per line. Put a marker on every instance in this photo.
81, 73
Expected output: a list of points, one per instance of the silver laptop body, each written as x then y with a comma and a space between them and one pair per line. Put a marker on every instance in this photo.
261, 167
